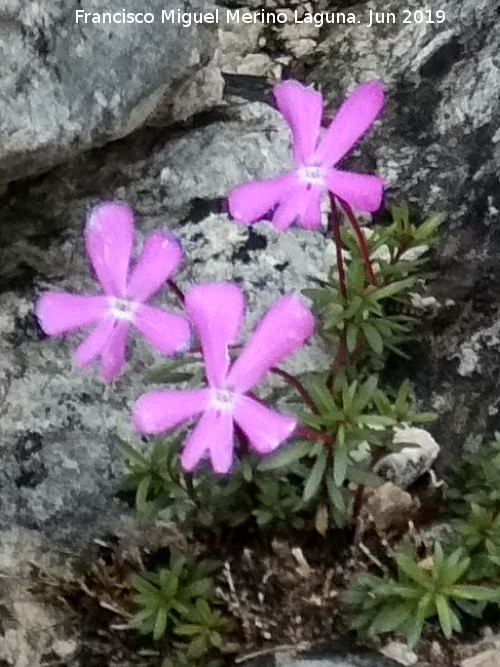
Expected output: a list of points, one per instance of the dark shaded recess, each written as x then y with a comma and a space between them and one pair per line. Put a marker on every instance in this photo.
200, 208
477, 146
282, 266
23, 279
485, 299
27, 444
7, 622
442, 60
26, 328
250, 87
32, 469
255, 241
200, 120
233, 4
22, 206
415, 106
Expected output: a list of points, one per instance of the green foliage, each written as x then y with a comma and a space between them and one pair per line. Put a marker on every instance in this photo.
371, 317
203, 628
345, 414
180, 659
369, 329
256, 490
476, 482
420, 591
157, 479
474, 497
402, 236
479, 535
177, 601
401, 410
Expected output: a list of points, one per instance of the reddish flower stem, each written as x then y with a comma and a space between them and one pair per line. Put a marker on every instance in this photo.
296, 384
315, 436
338, 246
177, 291
341, 355
363, 248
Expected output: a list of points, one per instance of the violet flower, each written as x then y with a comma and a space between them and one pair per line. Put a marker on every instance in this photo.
109, 238
296, 195
216, 311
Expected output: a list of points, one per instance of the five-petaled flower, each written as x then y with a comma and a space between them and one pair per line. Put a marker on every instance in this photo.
296, 196
216, 311
109, 236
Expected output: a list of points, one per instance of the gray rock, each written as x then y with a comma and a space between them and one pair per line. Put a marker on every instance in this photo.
437, 146
65, 87
410, 462
59, 425
337, 654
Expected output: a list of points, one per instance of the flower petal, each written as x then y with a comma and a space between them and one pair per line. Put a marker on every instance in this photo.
265, 429
251, 201
356, 115
166, 332
311, 218
283, 329
302, 108
113, 353
214, 434
159, 259
303, 204
60, 313
93, 345
361, 191
160, 411
216, 311
108, 238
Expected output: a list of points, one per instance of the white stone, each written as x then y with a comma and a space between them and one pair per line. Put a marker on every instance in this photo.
400, 652
407, 465
490, 658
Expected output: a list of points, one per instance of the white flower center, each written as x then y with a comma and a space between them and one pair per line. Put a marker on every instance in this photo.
222, 399
312, 175
122, 309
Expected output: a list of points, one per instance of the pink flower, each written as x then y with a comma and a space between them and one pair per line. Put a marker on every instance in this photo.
108, 238
216, 311
296, 195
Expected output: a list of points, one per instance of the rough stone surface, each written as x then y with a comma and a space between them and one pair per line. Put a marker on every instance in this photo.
65, 87
59, 425
400, 652
338, 654
437, 146
490, 658
409, 463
